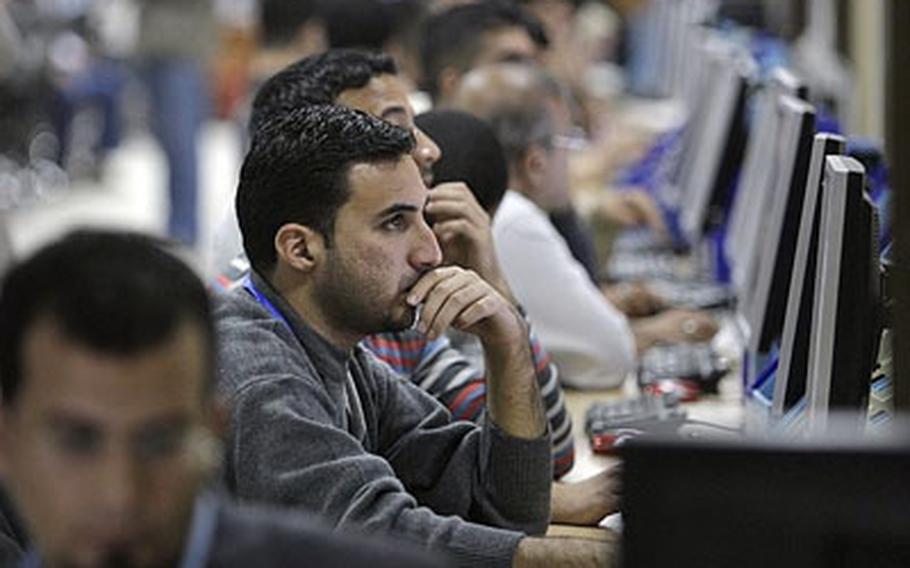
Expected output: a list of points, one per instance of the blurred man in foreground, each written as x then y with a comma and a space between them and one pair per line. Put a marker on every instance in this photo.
108, 419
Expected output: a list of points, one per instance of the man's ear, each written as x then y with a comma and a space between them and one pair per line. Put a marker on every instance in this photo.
299, 246
533, 164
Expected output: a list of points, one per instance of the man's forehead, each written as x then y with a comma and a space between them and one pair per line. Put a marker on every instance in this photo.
382, 93
376, 185
58, 370
507, 43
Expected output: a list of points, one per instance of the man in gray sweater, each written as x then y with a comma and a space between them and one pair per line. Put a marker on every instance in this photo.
331, 208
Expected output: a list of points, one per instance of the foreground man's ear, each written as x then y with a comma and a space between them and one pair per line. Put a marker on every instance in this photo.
299, 246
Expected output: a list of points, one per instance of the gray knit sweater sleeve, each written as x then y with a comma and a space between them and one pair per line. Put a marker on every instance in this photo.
456, 467
410, 471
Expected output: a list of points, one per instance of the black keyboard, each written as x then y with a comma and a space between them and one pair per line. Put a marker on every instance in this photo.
699, 362
646, 266
649, 413
640, 240
694, 295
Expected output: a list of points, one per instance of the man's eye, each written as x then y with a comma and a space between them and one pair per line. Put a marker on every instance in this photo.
78, 441
396, 223
399, 120
160, 442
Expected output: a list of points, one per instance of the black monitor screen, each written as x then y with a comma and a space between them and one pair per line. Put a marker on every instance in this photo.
703, 505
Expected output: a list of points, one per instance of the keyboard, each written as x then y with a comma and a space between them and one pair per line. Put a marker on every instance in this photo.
699, 362
649, 413
639, 241
694, 295
646, 266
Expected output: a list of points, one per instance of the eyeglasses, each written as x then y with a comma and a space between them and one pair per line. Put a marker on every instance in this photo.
575, 139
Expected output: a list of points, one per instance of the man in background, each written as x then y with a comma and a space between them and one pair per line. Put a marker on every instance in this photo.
174, 45
468, 36
592, 342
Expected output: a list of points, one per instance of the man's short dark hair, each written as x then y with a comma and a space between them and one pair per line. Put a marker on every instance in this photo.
317, 79
115, 293
470, 153
296, 171
453, 37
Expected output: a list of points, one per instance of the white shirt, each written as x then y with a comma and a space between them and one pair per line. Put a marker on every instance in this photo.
589, 339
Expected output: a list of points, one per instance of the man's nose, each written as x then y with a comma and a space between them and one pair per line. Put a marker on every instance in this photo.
425, 253
118, 485
426, 152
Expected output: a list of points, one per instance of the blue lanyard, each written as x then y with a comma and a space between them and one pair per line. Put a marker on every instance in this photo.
202, 532
265, 302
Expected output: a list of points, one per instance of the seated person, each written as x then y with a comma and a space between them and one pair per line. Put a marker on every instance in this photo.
370, 82
592, 342
331, 207
463, 37
107, 354
470, 152
286, 32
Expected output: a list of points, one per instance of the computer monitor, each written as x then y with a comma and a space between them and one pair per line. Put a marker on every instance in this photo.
709, 55
717, 156
743, 239
793, 364
780, 223
658, 34
758, 504
647, 37
847, 324
694, 64
690, 17
785, 82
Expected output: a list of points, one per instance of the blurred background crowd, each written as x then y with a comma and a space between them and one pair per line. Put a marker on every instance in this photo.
133, 112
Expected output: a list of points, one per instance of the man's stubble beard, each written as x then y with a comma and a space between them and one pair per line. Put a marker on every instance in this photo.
351, 304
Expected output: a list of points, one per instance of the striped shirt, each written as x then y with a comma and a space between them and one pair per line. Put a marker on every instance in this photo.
450, 376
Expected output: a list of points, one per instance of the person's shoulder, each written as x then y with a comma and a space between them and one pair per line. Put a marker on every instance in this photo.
514, 204
236, 309
253, 345
518, 214
256, 536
